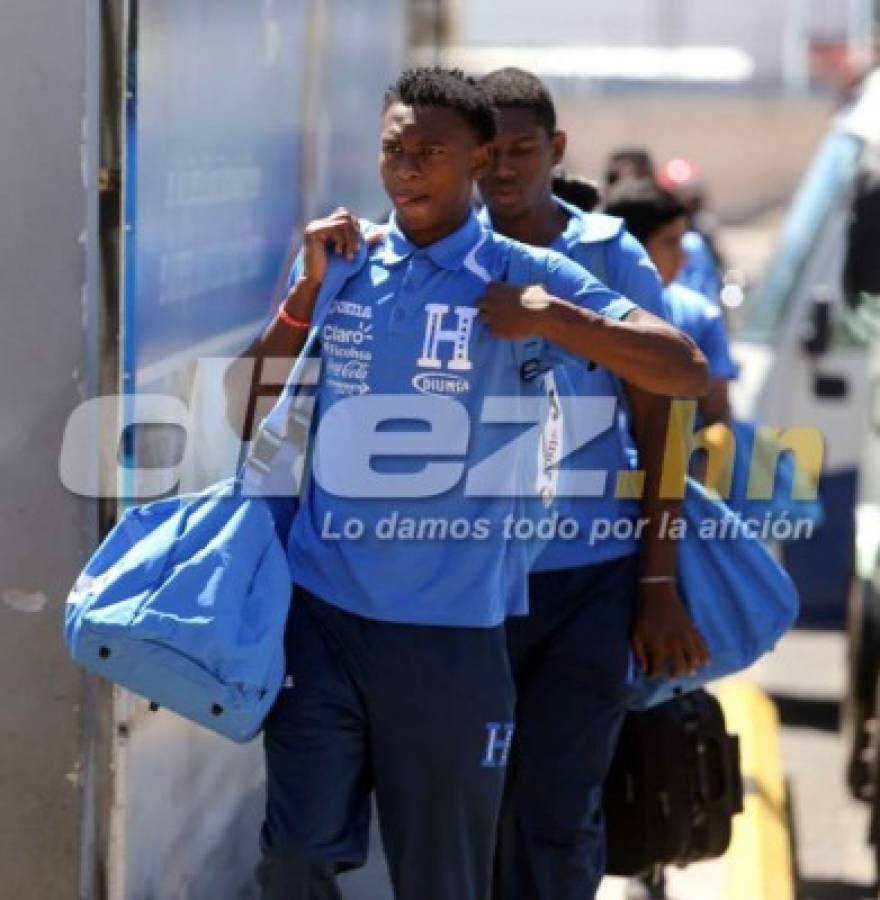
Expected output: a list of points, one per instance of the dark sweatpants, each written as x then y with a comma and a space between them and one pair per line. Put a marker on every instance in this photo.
423, 715
570, 659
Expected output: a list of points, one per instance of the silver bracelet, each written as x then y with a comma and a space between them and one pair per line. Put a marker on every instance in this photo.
656, 579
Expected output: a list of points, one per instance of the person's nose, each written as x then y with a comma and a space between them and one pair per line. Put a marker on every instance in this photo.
407, 167
502, 166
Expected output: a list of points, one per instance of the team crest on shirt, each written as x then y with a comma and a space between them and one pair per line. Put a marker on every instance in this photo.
445, 351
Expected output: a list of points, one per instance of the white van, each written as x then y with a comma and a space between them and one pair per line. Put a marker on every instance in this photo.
803, 363
807, 360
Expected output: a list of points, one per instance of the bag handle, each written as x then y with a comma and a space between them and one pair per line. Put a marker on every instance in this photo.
717, 762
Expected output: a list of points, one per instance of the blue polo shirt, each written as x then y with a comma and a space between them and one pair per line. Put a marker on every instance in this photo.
603, 246
702, 320
700, 270
403, 335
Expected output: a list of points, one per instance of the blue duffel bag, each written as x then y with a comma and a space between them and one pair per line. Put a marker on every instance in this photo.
793, 495
185, 601
738, 595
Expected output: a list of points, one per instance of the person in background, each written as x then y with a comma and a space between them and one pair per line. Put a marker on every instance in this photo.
628, 162
660, 221
701, 268
703, 261
589, 599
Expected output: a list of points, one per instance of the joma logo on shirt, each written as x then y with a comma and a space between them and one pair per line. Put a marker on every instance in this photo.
350, 308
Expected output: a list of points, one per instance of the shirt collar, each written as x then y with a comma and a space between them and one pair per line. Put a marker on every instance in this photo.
575, 229
582, 227
587, 228
447, 253
571, 234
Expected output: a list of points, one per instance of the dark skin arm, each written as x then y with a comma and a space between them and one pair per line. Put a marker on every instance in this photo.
245, 377
714, 406
664, 638
248, 378
654, 358
642, 350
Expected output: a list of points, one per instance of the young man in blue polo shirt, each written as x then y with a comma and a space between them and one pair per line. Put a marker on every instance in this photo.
701, 269
660, 221
404, 552
591, 597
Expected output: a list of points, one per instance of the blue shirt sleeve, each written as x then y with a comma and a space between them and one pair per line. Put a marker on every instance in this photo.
564, 278
569, 281
716, 347
630, 272
700, 273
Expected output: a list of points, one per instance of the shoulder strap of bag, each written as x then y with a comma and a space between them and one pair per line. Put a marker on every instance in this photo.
287, 421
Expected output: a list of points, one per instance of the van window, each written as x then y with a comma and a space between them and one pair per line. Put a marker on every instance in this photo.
861, 271
827, 183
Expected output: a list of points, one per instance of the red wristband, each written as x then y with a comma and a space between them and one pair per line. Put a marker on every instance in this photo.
288, 319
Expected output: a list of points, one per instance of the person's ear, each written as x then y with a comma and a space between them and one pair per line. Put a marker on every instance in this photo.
559, 141
481, 161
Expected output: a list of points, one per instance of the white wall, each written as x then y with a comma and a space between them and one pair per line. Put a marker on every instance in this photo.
758, 26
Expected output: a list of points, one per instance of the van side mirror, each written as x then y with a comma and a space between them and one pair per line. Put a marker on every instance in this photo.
817, 339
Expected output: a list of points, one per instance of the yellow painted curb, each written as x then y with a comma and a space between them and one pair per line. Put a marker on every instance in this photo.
758, 862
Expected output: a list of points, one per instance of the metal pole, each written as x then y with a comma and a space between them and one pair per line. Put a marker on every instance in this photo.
91, 304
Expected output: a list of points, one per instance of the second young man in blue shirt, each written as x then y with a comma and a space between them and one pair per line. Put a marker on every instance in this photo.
591, 598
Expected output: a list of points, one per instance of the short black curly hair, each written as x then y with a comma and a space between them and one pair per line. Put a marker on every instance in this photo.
516, 88
448, 88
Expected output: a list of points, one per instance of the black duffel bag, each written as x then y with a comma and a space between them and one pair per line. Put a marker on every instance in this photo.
674, 786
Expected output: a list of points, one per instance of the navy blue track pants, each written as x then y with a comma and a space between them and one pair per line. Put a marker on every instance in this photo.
421, 715
571, 660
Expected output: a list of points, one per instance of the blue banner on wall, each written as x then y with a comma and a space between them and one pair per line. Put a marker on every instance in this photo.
212, 170
243, 118
352, 83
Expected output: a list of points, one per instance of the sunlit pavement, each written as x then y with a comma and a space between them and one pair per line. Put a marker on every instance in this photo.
703, 881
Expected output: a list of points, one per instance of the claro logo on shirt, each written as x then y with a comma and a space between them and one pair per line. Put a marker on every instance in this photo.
347, 336
447, 342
